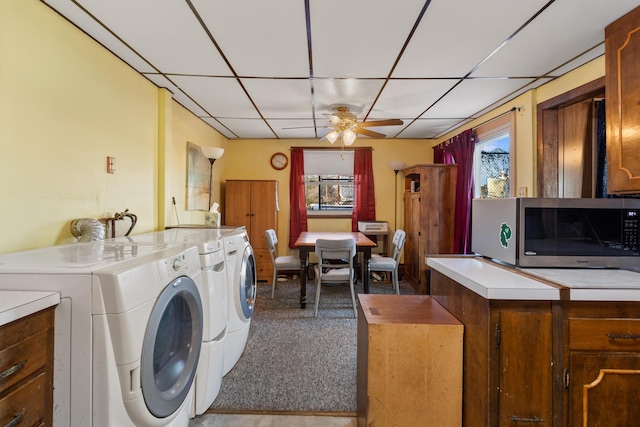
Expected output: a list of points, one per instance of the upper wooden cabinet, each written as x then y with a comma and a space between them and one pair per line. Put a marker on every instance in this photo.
254, 204
622, 49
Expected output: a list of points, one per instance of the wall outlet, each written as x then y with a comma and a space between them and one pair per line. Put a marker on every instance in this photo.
522, 191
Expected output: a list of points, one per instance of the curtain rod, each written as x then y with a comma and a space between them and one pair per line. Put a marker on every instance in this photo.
332, 148
498, 116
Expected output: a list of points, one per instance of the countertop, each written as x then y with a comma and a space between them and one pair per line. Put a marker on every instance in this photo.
493, 281
17, 304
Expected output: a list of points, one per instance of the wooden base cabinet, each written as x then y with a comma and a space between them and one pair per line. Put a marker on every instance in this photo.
26, 370
254, 204
409, 362
429, 212
602, 374
508, 356
559, 363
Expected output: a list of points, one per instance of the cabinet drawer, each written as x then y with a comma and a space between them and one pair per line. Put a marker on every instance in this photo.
21, 360
26, 401
604, 334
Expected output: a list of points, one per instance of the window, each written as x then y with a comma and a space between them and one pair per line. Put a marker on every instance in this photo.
328, 182
493, 158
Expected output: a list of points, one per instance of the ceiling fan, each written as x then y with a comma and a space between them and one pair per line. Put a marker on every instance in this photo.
344, 123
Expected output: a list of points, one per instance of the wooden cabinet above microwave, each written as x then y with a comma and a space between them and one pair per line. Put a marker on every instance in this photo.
622, 53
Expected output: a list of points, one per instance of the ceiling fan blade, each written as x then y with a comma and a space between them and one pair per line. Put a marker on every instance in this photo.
307, 127
369, 133
390, 122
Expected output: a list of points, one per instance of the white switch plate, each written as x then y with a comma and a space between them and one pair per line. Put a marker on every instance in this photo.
522, 191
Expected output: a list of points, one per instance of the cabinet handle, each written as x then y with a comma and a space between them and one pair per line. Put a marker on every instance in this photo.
516, 419
623, 336
12, 370
17, 419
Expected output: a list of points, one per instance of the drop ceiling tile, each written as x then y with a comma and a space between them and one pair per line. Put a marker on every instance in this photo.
359, 38
188, 103
471, 96
165, 33
219, 127
90, 26
582, 59
456, 35
247, 128
428, 128
281, 98
565, 29
259, 38
220, 97
409, 98
357, 94
302, 128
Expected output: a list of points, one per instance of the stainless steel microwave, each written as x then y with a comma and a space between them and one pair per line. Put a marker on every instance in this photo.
573, 233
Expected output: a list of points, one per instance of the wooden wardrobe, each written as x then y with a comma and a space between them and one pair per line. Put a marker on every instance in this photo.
254, 204
429, 210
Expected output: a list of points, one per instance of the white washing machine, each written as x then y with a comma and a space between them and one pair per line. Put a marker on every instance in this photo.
121, 357
215, 303
242, 280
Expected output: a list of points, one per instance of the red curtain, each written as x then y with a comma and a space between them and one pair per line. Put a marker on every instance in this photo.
364, 201
297, 200
459, 150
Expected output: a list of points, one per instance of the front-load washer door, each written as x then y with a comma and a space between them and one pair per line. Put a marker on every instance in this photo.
248, 282
171, 347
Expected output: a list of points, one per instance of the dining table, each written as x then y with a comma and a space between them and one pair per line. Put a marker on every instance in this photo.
306, 243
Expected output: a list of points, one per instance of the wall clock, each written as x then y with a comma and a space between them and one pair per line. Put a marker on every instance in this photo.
279, 161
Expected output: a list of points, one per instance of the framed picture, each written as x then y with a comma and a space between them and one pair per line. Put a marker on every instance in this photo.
198, 175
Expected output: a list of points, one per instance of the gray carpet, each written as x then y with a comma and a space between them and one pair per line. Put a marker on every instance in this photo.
294, 362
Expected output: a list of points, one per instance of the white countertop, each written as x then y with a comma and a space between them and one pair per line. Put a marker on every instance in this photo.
491, 281
590, 284
17, 304
497, 282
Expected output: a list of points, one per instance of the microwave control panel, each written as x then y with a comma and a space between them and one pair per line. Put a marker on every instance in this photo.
630, 229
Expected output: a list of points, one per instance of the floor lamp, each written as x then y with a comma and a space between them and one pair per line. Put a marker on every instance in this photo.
396, 166
213, 154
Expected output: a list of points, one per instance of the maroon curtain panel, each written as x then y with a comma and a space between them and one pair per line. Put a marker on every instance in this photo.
438, 153
364, 200
297, 200
459, 150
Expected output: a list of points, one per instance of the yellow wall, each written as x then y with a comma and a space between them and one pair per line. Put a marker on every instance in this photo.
67, 103
526, 122
249, 159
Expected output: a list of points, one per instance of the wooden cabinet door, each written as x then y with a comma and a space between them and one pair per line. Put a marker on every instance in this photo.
622, 76
604, 388
412, 241
526, 360
263, 212
238, 204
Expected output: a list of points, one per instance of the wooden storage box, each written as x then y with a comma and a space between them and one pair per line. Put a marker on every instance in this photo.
409, 362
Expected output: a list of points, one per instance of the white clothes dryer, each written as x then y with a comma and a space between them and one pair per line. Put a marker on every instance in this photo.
147, 333
215, 304
242, 280
91, 358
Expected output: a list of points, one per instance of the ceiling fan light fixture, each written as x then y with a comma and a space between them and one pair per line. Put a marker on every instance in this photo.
332, 136
348, 137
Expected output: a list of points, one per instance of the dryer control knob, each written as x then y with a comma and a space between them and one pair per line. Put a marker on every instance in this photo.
177, 264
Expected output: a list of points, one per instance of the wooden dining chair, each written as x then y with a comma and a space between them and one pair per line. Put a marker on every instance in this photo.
284, 263
335, 266
390, 264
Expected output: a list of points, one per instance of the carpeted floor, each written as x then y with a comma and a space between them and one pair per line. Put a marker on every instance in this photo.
294, 362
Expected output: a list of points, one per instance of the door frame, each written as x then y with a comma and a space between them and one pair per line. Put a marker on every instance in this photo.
547, 131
